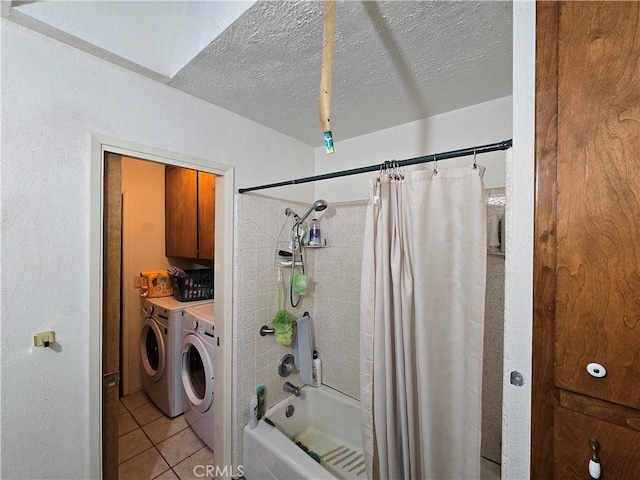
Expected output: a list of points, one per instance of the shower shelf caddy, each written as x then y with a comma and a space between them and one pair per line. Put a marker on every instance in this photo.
324, 245
283, 243
280, 261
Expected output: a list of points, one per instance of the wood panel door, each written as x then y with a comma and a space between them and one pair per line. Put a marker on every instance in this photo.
618, 454
206, 215
598, 207
586, 291
181, 212
112, 248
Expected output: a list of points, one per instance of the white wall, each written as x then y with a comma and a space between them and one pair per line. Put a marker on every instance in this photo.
516, 426
480, 124
143, 239
53, 98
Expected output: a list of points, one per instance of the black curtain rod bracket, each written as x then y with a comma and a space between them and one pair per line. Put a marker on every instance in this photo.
490, 147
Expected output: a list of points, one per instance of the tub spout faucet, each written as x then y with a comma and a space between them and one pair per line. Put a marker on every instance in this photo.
289, 387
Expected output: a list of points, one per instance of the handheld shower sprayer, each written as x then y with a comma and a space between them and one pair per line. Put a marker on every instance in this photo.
318, 206
296, 247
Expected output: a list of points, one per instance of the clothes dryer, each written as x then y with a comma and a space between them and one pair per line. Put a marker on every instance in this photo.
198, 370
160, 346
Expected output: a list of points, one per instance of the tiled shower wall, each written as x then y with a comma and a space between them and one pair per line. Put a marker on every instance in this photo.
258, 221
493, 340
337, 296
333, 300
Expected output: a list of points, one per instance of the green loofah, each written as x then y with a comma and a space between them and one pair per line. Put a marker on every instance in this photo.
283, 325
300, 282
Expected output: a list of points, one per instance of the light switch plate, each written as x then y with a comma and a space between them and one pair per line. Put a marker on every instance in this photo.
44, 339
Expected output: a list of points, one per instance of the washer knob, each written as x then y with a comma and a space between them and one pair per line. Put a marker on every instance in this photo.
194, 324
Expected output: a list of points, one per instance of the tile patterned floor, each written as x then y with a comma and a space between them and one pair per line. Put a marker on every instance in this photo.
152, 446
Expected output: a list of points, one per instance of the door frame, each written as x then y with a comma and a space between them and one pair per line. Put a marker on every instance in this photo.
223, 282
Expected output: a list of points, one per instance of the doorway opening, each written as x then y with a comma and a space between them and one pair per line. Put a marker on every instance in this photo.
117, 256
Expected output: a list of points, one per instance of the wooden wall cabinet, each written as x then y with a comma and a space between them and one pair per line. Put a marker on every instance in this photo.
587, 239
189, 213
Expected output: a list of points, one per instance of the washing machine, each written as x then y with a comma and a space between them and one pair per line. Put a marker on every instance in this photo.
198, 347
160, 347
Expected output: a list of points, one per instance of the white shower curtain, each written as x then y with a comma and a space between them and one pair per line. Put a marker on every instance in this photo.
421, 324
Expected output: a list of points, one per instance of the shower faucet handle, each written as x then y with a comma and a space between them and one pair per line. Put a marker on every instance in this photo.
287, 365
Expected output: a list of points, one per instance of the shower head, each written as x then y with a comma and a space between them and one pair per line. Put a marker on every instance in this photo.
318, 206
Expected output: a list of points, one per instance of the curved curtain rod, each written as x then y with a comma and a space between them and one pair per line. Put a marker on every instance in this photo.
490, 147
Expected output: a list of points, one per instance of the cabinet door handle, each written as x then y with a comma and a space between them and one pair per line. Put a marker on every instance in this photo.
594, 463
596, 370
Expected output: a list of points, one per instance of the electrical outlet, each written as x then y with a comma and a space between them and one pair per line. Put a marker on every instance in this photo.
137, 281
44, 339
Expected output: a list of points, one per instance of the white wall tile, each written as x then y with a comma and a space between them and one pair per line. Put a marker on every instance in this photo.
493, 341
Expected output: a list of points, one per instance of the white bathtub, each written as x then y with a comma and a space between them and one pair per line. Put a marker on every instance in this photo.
325, 421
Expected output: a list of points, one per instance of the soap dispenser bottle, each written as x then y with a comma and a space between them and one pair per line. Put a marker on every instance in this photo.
315, 237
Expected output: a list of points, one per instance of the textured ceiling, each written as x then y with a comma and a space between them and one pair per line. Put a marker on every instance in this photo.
394, 62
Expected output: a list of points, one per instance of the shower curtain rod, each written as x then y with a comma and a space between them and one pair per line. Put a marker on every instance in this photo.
490, 147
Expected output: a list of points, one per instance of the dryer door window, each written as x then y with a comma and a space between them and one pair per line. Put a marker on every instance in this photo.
197, 373
152, 350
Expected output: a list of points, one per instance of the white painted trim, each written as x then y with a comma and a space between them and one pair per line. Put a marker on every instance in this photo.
223, 282
95, 310
132, 149
518, 305
224, 290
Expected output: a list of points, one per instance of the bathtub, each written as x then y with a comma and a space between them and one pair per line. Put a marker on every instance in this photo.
327, 422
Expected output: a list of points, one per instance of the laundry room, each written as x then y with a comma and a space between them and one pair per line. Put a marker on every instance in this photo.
167, 332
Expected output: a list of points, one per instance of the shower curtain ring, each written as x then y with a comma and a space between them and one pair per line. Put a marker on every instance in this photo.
475, 165
435, 165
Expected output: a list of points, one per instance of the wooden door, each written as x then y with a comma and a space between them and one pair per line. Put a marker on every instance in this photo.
544, 396
598, 271
206, 214
112, 248
587, 236
181, 217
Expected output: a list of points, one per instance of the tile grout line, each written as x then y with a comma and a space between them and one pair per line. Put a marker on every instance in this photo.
153, 445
